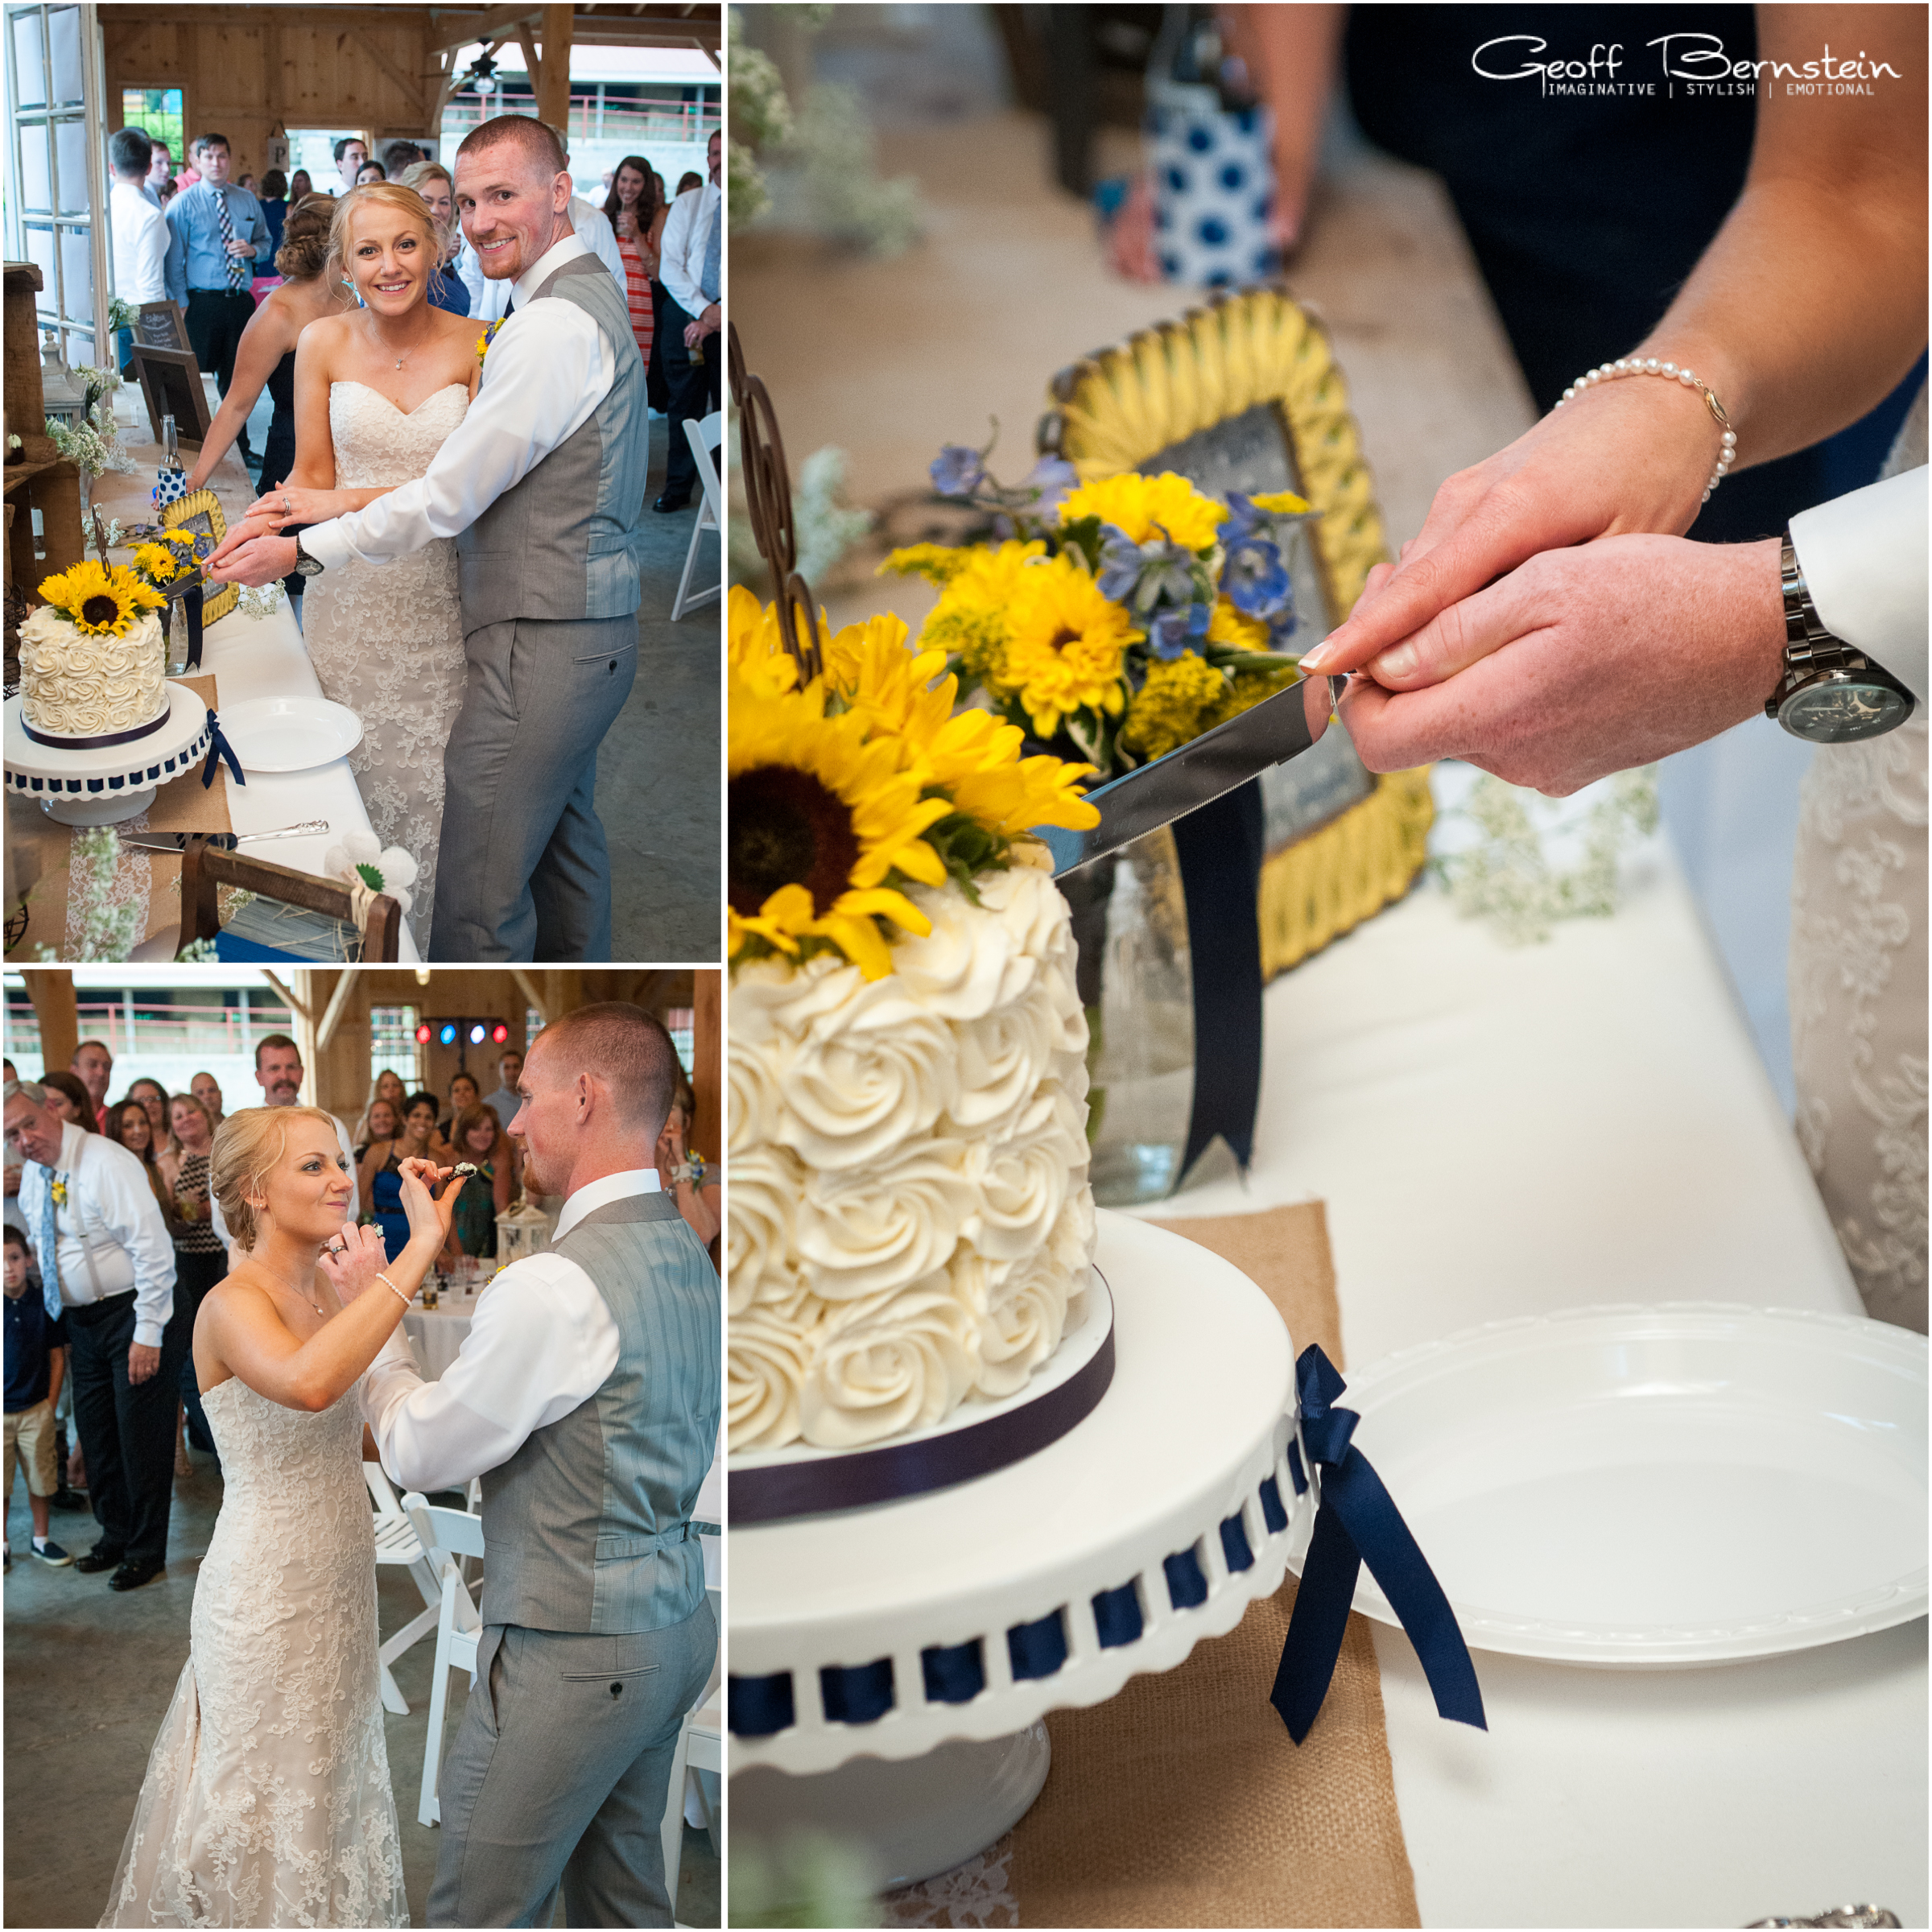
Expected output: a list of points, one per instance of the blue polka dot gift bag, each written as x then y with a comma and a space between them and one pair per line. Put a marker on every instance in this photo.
1213, 177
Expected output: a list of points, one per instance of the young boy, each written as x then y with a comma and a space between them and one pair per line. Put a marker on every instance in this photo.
36, 1364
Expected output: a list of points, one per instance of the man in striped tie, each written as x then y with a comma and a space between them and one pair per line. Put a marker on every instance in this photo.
217, 235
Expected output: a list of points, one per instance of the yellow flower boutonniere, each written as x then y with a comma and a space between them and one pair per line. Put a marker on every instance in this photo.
60, 1194
488, 337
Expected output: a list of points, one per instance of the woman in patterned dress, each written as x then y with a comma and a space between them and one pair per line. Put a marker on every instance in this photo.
632, 206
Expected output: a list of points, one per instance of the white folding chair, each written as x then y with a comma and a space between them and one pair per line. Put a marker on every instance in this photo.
704, 435
700, 1748
396, 1542
448, 1536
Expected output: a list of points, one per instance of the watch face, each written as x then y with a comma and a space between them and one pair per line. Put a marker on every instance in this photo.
1844, 708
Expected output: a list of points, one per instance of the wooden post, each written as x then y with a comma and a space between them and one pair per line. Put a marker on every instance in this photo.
553, 85
707, 1129
52, 994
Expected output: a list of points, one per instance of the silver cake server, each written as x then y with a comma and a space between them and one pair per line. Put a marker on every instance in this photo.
226, 841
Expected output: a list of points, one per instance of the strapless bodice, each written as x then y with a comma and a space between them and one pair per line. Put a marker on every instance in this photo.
377, 445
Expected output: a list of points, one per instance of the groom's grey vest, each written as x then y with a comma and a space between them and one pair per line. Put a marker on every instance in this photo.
564, 542
587, 1526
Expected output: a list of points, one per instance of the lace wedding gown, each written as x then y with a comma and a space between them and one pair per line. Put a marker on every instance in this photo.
386, 640
267, 1797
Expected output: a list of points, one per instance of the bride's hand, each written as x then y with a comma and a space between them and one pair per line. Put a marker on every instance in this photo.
353, 1265
429, 1218
286, 504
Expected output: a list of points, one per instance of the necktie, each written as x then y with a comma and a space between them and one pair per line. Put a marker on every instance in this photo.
708, 282
50, 1251
238, 269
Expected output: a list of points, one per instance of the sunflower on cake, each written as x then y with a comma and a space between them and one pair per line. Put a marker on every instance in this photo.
911, 1224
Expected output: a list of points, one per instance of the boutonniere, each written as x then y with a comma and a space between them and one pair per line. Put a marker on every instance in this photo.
60, 1192
488, 337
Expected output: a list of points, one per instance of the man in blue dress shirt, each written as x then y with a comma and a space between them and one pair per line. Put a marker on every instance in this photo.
216, 233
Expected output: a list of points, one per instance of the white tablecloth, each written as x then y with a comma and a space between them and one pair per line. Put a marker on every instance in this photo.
436, 1334
1500, 1132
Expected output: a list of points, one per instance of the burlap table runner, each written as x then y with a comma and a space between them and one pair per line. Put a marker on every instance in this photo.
40, 850
1181, 1801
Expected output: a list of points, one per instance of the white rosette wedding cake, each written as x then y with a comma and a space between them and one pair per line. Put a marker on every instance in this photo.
82, 690
912, 1226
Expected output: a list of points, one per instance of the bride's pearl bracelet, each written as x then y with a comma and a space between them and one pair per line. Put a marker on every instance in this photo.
1649, 366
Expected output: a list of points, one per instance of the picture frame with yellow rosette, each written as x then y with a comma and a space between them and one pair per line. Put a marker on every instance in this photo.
1245, 394
200, 513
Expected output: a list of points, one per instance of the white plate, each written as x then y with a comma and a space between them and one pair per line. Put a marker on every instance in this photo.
290, 734
1688, 1484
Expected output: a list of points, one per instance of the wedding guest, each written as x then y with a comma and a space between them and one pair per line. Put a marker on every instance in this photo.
139, 229
400, 156
433, 181
153, 1096
692, 259
351, 152
298, 186
504, 1102
128, 1126
378, 1123
380, 1174
93, 1066
389, 1087
369, 172
199, 1259
464, 1093
694, 1187
36, 1365
278, 1074
631, 209
204, 1087
688, 180
160, 173
67, 1097
104, 1248
274, 206
248, 182
476, 1137
656, 385
217, 231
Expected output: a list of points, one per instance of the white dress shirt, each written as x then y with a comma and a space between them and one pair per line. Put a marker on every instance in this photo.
111, 1220
355, 1197
548, 368
1864, 557
140, 236
540, 1343
687, 236
488, 300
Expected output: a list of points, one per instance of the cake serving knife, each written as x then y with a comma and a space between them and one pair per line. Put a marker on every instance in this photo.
1192, 775
225, 841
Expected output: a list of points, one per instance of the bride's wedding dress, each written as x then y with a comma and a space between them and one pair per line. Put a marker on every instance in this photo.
267, 1798
387, 640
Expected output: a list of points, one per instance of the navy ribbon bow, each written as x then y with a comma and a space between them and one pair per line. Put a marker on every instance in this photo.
218, 749
1358, 1522
191, 601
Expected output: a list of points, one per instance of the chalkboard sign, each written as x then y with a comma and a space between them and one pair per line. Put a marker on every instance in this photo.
1253, 451
160, 326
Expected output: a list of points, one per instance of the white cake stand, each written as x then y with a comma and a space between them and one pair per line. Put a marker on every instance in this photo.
1171, 1464
115, 782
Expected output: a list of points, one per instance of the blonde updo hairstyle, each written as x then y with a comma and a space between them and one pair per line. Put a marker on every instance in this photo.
304, 249
247, 1146
406, 202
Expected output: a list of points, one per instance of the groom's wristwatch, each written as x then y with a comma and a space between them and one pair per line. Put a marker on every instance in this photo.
1829, 693
306, 566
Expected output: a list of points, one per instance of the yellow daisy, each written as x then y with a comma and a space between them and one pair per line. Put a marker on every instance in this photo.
818, 820
1282, 503
1066, 646
158, 561
1227, 625
1147, 507
937, 562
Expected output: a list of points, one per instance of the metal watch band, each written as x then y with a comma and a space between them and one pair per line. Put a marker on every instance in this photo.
1809, 647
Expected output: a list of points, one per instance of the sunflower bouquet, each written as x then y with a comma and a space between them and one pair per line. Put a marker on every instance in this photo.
1111, 620
105, 599
848, 790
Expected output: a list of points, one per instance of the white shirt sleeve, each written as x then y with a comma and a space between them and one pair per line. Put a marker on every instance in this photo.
594, 228
675, 247
116, 1197
540, 1343
1863, 556
548, 368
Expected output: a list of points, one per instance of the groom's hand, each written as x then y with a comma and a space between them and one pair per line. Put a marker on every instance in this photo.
258, 561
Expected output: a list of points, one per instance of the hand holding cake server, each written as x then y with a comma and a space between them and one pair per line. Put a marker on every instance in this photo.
540, 482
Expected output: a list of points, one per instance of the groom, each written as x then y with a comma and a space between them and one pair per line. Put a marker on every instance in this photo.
542, 486
587, 1396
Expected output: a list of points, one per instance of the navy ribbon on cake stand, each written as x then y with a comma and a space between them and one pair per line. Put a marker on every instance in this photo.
191, 601
219, 749
1356, 1522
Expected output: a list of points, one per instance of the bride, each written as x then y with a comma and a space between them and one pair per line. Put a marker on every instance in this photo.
267, 1799
378, 389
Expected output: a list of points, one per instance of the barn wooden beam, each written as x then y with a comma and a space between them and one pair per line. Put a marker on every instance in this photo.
52, 994
493, 24
553, 88
412, 92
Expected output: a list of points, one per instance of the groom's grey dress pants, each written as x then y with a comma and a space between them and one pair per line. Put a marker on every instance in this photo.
523, 872
559, 1774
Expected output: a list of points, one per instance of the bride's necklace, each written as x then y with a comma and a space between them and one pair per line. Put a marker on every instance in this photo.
294, 1290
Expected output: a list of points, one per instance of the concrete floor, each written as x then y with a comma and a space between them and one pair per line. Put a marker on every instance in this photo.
88, 1676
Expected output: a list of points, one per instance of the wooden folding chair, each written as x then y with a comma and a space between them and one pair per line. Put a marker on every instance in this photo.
205, 868
447, 1536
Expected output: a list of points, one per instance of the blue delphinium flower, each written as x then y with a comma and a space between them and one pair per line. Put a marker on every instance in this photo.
1174, 631
1254, 579
1053, 476
1143, 575
957, 471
